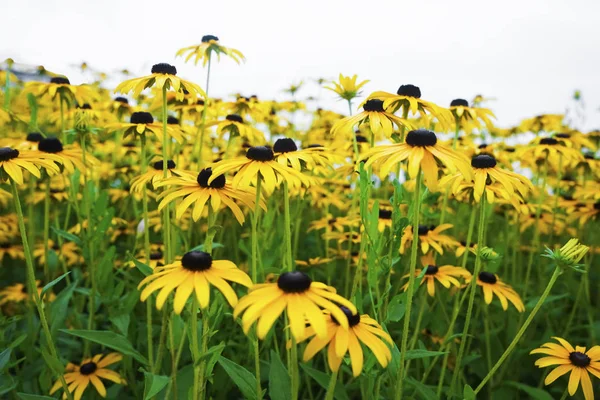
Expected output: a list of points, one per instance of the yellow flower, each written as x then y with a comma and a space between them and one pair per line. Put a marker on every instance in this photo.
13, 162
210, 44
492, 285
347, 88
446, 275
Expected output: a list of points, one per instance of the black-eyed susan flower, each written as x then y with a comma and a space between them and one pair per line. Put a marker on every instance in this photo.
287, 153
551, 148
90, 370
375, 117
70, 157
492, 285
196, 191
486, 172
362, 329
258, 163
209, 45
196, 272
154, 175
313, 262
17, 293
11, 250
422, 152
544, 122
346, 87
68, 251
61, 86
446, 275
579, 362
429, 236
163, 76
142, 123
465, 115
13, 162
301, 299
235, 126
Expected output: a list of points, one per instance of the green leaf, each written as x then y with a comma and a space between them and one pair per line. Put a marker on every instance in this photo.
143, 268
68, 236
109, 339
153, 384
54, 364
244, 380
468, 393
25, 396
209, 353
15, 343
424, 391
418, 353
397, 308
280, 385
5, 358
51, 284
121, 322
532, 392
60, 306
201, 247
323, 379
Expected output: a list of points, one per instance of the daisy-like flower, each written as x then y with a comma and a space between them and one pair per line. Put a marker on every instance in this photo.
61, 86
552, 148
313, 262
465, 115
162, 76
70, 157
362, 329
544, 122
446, 275
11, 250
17, 293
408, 98
492, 285
423, 152
258, 162
235, 126
197, 191
210, 44
69, 252
287, 153
579, 362
196, 272
375, 116
429, 236
142, 123
90, 370
13, 162
300, 297
486, 173
347, 87
154, 175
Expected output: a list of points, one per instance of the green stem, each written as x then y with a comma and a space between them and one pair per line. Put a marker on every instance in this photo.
34, 293
255, 219
471, 289
287, 233
515, 341
329, 395
46, 229
411, 283
203, 350
195, 350
294, 373
149, 336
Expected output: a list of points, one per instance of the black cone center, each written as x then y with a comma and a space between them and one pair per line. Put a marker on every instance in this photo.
88, 368
285, 145
196, 261
235, 118
373, 105
7, 153
60, 80
50, 145
421, 137
141, 117
579, 359
549, 141
423, 229
431, 270
208, 38
205, 175
294, 282
483, 161
121, 100
409, 90
385, 214
164, 68
260, 153
459, 102
159, 165
353, 319
487, 277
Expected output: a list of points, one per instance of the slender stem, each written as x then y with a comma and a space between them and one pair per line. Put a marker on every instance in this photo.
515, 341
63, 134
471, 289
488, 347
46, 229
294, 373
255, 219
287, 233
149, 336
203, 350
161, 340
195, 350
411, 283
331, 387
33, 290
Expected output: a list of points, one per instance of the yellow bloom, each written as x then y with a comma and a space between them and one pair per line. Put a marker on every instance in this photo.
210, 44
347, 88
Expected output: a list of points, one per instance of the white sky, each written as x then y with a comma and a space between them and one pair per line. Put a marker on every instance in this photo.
530, 54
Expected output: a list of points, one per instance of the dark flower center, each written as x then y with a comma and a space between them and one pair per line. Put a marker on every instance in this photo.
431, 270
483, 145
208, 38
260, 153
294, 282
50, 145
200, 102
353, 319
60, 80
597, 206
483, 161
34, 137
205, 175
567, 197
172, 120
385, 214
421, 137
314, 146
410, 91
196, 261
510, 149
589, 156
568, 178
159, 165
121, 100
459, 102
7, 153
563, 135
55, 247
423, 229
88, 368
86, 106
549, 141
235, 118
361, 139
163, 68
373, 105
156, 256
5, 245
141, 117
487, 277
332, 221
579, 359
285, 145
